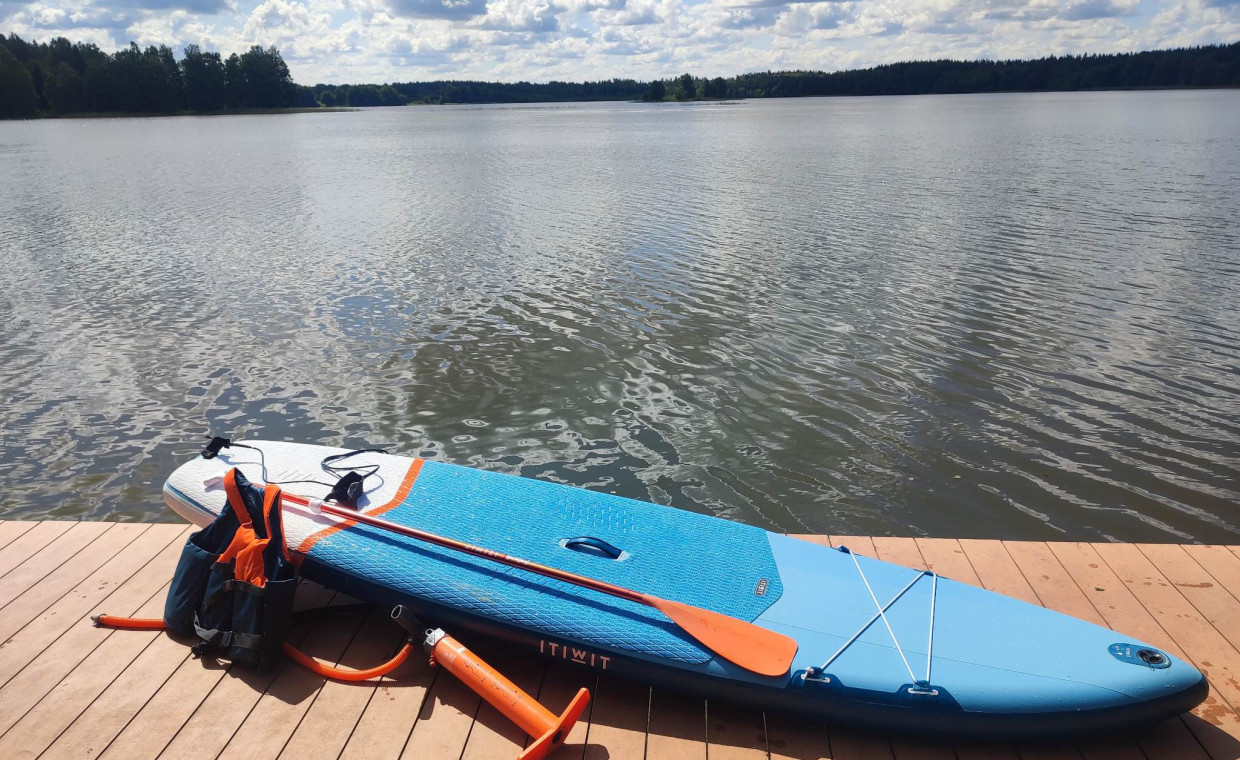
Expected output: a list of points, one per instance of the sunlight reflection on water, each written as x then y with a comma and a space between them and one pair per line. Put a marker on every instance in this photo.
998, 316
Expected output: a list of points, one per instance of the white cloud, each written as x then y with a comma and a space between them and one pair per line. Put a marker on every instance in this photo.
520, 16
177, 28
632, 13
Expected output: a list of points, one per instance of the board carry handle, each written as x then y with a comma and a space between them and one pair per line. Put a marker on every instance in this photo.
547, 729
593, 546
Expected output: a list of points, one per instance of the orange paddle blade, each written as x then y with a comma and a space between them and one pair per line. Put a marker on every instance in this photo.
752, 647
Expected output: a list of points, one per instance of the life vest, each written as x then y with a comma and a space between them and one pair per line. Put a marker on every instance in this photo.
234, 583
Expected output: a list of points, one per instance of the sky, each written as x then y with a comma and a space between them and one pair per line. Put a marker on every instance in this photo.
355, 41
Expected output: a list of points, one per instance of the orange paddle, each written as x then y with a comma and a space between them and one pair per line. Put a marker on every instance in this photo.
750, 646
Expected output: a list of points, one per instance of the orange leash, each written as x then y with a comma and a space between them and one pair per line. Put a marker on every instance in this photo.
294, 654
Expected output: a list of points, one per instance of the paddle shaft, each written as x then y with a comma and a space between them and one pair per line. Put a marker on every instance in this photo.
752, 647
478, 551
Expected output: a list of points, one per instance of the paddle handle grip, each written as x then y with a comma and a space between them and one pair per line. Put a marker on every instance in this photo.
547, 729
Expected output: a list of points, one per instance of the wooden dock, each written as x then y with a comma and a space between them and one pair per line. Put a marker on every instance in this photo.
70, 690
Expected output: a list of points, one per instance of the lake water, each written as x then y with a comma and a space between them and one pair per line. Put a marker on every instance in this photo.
1011, 316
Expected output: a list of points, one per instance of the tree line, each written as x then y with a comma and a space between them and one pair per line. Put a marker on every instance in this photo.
1205, 66
439, 92
62, 77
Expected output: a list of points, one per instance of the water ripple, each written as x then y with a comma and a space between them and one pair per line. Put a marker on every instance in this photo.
993, 316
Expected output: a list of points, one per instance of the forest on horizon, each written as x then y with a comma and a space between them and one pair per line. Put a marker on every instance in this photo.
61, 78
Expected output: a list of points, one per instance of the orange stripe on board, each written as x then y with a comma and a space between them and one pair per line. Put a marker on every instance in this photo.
401, 493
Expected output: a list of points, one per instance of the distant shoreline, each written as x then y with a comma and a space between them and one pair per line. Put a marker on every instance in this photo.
1204, 67
695, 102
80, 81
167, 114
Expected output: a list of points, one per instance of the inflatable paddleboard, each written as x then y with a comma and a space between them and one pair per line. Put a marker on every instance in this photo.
879, 645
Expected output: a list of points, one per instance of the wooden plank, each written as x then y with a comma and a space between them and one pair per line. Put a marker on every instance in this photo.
976, 750
812, 538
385, 724
230, 700
618, 721
40, 633
44, 723
165, 714
290, 695
29, 543
1168, 738
921, 749
1214, 724
1050, 581
494, 735
792, 738
734, 732
560, 684
1039, 751
1221, 564
97, 727
331, 719
901, 551
996, 570
158, 720
447, 716
65, 655
946, 557
848, 744
108, 714
11, 530
50, 559
677, 726
1220, 609
27, 606
863, 545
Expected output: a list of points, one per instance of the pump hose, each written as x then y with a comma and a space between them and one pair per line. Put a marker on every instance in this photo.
345, 674
293, 653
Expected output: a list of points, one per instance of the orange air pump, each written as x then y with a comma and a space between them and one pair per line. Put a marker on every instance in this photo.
548, 730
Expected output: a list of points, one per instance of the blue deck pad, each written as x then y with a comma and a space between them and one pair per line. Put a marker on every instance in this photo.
687, 557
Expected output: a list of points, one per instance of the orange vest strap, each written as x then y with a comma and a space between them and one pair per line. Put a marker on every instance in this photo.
272, 500
235, 501
246, 548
